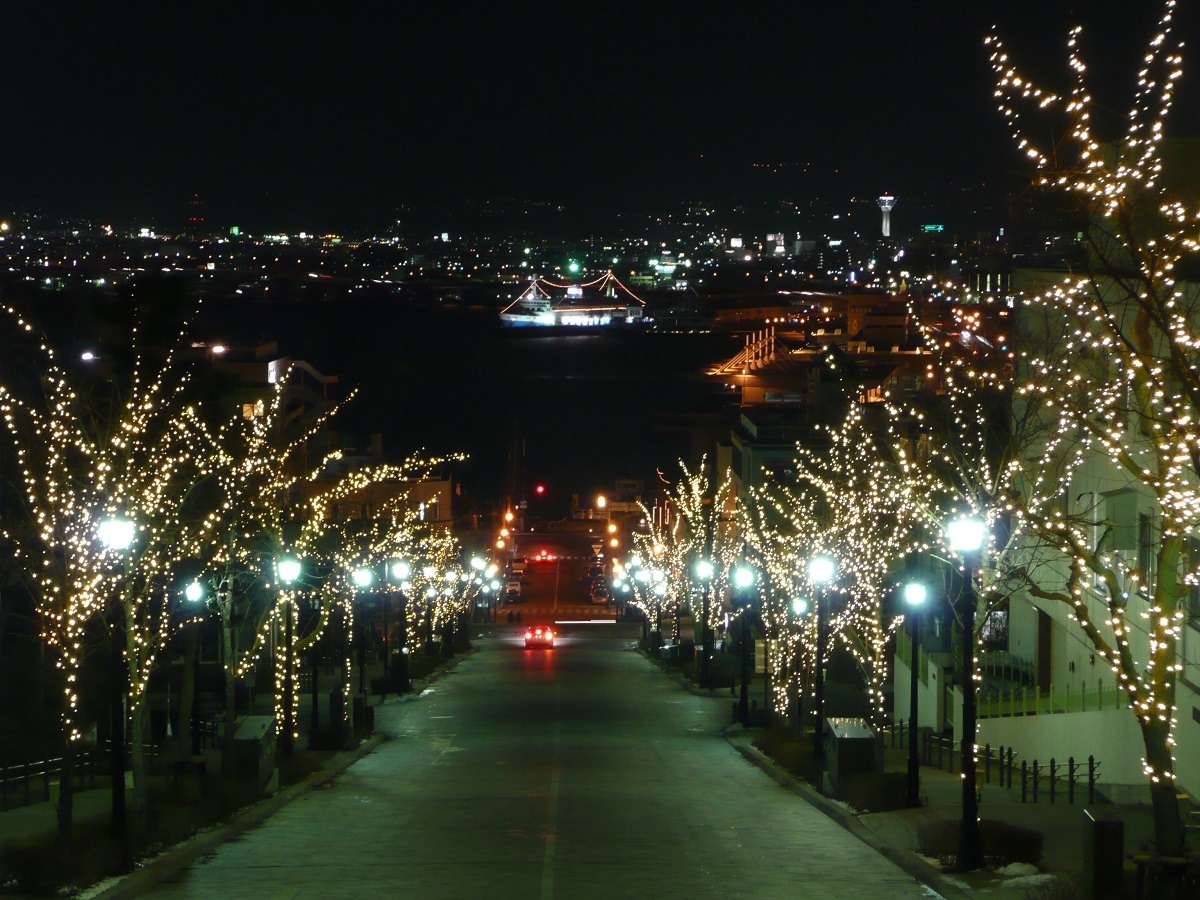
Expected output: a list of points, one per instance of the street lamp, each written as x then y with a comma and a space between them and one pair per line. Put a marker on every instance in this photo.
399, 574
743, 580
288, 571
966, 536
799, 610
116, 534
704, 571
821, 571
193, 593
363, 578
914, 598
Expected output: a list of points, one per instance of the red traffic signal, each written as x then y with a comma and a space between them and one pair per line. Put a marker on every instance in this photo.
540, 489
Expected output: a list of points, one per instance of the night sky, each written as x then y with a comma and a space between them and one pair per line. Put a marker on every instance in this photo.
333, 116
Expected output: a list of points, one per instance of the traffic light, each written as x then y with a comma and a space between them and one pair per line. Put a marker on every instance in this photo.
540, 489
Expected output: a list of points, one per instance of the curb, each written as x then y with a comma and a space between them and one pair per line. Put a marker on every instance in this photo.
906, 860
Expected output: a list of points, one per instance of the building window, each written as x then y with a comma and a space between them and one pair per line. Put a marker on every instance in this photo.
1191, 580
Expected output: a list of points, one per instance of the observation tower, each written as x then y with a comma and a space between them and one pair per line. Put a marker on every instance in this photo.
885, 204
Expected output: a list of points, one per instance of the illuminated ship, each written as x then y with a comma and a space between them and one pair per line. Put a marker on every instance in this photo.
602, 302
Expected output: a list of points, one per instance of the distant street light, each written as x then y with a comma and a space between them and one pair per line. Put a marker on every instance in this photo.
288, 571
363, 578
743, 581
821, 571
914, 597
704, 571
399, 575
966, 536
117, 534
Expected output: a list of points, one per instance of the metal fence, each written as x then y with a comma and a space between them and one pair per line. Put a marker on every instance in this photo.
1031, 702
30, 782
1036, 781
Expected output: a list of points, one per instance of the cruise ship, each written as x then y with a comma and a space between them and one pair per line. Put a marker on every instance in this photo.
602, 302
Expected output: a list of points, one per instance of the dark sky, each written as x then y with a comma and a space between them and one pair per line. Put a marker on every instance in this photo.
329, 116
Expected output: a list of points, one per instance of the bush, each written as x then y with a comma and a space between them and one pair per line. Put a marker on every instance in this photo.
329, 737
388, 684
792, 753
422, 665
1058, 889
1003, 842
875, 791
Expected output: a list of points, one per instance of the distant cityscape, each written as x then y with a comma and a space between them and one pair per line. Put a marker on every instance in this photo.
728, 253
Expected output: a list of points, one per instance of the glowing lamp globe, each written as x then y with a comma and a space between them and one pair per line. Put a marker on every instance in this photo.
966, 534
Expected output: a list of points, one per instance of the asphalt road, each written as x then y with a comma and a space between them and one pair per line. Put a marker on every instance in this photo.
577, 772
553, 589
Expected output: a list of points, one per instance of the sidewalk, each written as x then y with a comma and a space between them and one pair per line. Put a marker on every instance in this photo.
38, 821
896, 834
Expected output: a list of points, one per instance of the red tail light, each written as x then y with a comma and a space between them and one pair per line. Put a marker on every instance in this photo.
528, 635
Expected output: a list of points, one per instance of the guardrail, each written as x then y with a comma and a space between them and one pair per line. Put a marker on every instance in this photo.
1035, 780
22, 784
1031, 702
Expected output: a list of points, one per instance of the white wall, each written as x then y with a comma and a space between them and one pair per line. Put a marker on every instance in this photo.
927, 697
1112, 736
1187, 729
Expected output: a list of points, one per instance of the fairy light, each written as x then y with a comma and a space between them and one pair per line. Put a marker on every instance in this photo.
1123, 387
849, 502
78, 469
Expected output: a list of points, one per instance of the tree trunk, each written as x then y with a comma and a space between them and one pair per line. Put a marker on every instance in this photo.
137, 760
229, 660
1168, 827
187, 692
66, 791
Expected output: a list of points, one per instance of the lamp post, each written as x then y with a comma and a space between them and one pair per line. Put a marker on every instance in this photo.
429, 573
914, 598
451, 578
288, 571
966, 536
704, 571
821, 570
363, 578
116, 534
743, 580
194, 593
799, 610
398, 572
478, 566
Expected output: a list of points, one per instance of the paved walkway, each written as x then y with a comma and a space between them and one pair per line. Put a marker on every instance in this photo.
39, 820
896, 834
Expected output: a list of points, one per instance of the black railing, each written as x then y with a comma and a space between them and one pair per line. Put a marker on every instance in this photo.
22, 784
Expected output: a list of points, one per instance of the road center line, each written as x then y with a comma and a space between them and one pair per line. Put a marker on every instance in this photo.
551, 835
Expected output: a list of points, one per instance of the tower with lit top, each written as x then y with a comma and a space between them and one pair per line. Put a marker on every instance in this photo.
885, 204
